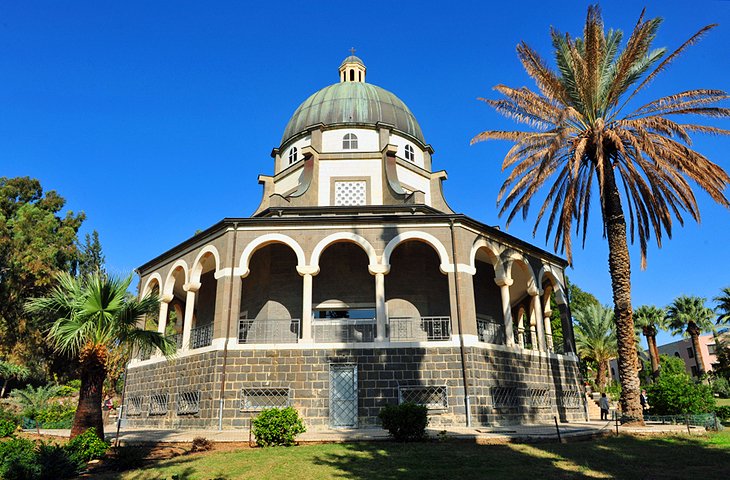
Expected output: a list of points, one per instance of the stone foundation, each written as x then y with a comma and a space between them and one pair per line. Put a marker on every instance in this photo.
506, 386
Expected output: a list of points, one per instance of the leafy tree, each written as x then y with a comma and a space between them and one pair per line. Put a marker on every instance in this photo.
671, 365
649, 319
34, 400
36, 242
688, 315
583, 142
10, 371
595, 339
677, 393
91, 258
93, 315
580, 299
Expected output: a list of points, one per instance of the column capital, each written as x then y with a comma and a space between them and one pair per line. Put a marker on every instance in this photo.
502, 281
533, 291
166, 298
307, 270
192, 287
375, 269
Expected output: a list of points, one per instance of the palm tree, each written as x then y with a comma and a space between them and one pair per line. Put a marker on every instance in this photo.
581, 137
723, 306
9, 371
688, 315
650, 318
33, 400
92, 315
595, 339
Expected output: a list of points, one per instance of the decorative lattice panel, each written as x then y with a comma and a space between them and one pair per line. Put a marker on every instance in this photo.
571, 399
505, 397
134, 405
434, 396
350, 193
158, 404
540, 397
188, 403
253, 399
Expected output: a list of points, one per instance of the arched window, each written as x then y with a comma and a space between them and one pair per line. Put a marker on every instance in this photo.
349, 141
676, 354
352, 75
293, 155
409, 153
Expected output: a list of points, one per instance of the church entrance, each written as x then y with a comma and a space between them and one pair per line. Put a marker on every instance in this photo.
343, 396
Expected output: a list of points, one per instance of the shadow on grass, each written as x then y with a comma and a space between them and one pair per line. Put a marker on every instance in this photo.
622, 457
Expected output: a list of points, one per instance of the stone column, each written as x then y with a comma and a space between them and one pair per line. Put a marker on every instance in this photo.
546, 312
537, 312
504, 284
307, 273
162, 317
192, 289
381, 319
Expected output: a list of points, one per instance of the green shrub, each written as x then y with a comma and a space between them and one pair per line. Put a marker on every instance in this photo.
57, 415
87, 446
405, 422
613, 390
723, 412
674, 394
721, 387
18, 460
7, 428
56, 462
277, 426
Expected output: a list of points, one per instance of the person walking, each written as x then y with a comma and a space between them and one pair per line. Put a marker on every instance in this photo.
603, 404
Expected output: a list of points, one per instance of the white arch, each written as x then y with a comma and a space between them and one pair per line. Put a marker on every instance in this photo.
197, 270
418, 235
496, 260
548, 271
170, 281
513, 257
346, 236
154, 276
264, 240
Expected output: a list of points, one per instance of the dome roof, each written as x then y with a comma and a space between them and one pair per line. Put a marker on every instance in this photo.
352, 59
353, 103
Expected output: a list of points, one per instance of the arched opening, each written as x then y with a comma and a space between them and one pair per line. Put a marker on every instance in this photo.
522, 305
176, 306
488, 300
201, 333
551, 316
271, 297
352, 75
417, 294
343, 296
151, 321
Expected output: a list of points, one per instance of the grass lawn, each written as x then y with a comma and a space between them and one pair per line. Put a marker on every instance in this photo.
723, 402
623, 457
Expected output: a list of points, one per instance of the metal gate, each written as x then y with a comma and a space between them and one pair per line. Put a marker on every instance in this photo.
343, 395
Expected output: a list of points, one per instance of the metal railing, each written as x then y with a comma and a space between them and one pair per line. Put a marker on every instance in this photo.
201, 336
490, 331
177, 338
268, 330
418, 329
343, 330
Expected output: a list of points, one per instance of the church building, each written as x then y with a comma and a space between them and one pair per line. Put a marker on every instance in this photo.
354, 286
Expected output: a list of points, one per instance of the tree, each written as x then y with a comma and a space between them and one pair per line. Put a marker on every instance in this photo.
91, 258
595, 339
34, 400
688, 315
723, 306
650, 318
10, 371
583, 142
93, 315
36, 242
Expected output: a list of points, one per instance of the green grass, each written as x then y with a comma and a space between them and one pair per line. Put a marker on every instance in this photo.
723, 402
623, 457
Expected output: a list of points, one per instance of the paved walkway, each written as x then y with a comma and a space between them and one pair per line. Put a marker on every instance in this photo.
481, 435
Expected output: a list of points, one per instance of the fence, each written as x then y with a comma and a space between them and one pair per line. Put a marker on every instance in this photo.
418, 329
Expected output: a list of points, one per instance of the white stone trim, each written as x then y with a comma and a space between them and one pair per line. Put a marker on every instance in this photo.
155, 276
262, 241
170, 281
197, 269
443, 254
343, 236
531, 279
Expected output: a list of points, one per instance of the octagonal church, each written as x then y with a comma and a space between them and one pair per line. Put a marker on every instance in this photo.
354, 286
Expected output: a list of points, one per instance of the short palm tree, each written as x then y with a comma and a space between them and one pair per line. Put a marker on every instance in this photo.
93, 314
582, 142
33, 400
595, 339
688, 315
650, 319
9, 371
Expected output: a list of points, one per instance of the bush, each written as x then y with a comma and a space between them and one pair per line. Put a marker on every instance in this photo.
721, 387
57, 415
87, 446
18, 460
277, 426
201, 444
56, 462
7, 428
723, 412
673, 394
405, 422
613, 390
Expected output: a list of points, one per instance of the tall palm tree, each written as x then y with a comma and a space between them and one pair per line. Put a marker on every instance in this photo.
93, 314
688, 315
583, 142
723, 306
595, 338
650, 318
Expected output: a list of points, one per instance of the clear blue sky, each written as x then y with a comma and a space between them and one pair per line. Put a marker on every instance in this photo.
155, 118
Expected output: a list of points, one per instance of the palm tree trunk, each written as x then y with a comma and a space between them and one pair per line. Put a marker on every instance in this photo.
601, 371
619, 264
653, 355
88, 413
5, 385
694, 332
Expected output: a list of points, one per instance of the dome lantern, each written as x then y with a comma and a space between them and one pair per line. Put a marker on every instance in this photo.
352, 69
